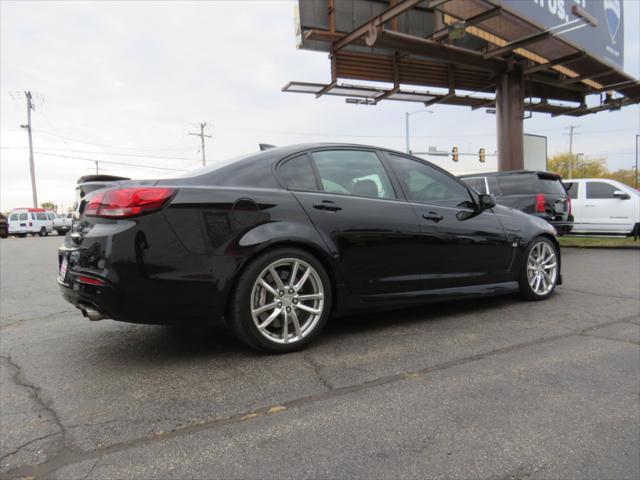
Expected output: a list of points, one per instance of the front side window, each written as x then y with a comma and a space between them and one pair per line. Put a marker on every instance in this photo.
297, 174
41, 216
423, 183
600, 190
477, 183
353, 172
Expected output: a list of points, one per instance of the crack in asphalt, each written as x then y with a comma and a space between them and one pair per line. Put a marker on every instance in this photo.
26, 444
36, 395
611, 339
598, 294
317, 370
55, 462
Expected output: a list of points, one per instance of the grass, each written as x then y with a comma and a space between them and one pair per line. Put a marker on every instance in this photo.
599, 242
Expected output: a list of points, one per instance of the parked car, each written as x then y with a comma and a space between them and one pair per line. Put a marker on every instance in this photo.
277, 241
62, 223
541, 194
604, 207
4, 226
24, 221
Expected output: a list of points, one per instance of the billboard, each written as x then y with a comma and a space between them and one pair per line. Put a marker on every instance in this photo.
605, 41
535, 152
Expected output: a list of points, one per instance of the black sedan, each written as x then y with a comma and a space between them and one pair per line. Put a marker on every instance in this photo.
278, 241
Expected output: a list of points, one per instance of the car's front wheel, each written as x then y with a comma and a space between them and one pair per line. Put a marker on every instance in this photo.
43, 232
281, 302
541, 269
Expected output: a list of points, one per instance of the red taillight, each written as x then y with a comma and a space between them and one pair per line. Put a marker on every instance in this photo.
540, 203
94, 204
127, 202
569, 202
90, 281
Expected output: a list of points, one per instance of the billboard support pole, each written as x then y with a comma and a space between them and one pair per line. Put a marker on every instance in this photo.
509, 119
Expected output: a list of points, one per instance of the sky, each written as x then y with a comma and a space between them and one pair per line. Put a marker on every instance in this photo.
127, 82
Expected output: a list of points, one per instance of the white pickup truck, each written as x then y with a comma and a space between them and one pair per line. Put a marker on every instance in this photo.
602, 206
62, 223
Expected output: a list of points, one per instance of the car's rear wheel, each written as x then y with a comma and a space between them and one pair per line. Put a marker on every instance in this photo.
540, 272
43, 232
282, 301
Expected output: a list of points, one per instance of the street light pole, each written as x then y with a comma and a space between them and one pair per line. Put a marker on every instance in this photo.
406, 126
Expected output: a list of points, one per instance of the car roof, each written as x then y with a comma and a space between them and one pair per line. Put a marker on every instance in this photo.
540, 173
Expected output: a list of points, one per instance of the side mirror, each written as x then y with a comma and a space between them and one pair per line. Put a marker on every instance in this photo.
621, 195
486, 201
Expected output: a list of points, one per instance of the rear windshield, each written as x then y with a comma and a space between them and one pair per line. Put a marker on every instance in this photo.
518, 184
23, 216
13, 217
553, 186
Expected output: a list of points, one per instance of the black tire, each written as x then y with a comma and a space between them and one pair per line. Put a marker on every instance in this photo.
239, 315
43, 232
526, 290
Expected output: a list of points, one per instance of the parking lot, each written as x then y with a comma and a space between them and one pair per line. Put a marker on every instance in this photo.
489, 388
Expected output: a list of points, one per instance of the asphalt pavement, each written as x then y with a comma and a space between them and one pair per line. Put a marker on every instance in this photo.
489, 388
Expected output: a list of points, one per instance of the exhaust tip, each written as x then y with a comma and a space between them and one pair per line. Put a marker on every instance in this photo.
91, 313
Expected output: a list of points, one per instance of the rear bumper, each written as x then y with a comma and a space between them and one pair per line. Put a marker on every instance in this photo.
562, 228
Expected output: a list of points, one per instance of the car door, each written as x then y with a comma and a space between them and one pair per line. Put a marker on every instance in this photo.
604, 212
461, 245
372, 233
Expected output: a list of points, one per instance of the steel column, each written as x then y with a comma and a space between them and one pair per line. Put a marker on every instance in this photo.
509, 119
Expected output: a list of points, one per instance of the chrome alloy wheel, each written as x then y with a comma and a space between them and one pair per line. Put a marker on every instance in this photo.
542, 268
287, 300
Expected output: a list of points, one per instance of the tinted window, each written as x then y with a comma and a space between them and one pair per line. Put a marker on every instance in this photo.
41, 216
573, 189
477, 183
518, 184
13, 217
600, 190
553, 186
353, 172
423, 183
297, 174
23, 216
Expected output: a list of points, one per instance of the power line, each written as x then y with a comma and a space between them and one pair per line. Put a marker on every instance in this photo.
137, 165
112, 146
107, 153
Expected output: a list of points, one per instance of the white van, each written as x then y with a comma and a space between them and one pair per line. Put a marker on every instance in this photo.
603, 207
23, 221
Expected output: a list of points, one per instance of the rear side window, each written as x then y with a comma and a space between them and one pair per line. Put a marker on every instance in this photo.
553, 186
41, 216
23, 216
525, 184
573, 189
297, 174
600, 190
353, 172
13, 217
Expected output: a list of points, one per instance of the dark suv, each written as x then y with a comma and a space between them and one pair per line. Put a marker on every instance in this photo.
538, 193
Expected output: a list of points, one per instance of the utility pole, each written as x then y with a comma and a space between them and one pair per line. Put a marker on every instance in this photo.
27, 127
202, 137
571, 133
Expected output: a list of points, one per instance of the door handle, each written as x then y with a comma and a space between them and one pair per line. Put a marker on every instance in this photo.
433, 216
327, 206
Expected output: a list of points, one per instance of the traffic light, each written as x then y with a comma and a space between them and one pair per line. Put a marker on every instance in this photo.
454, 154
481, 155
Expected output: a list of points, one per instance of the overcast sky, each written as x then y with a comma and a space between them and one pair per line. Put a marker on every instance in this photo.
127, 81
